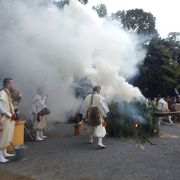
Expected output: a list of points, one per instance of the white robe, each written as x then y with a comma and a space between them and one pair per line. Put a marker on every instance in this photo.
98, 101
6, 108
162, 105
39, 103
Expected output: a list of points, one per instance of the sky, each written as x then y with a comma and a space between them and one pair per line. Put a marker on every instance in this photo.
166, 11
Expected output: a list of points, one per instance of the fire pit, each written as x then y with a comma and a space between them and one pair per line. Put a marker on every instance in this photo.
132, 120
136, 124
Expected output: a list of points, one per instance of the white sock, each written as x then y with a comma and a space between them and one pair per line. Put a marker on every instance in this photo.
41, 134
160, 121
2, 158
91, 138
38, 138
100, 142
169, 118
5, 154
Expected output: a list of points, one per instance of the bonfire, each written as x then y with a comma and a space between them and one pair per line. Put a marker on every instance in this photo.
132, 120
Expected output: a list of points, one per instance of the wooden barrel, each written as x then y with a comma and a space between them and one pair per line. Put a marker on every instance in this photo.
77, 130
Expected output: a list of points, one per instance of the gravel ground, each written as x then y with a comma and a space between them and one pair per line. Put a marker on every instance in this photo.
66, 157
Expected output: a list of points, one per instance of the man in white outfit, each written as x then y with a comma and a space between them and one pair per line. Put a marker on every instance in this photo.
7, 118
96, 100
162, 106
40, 111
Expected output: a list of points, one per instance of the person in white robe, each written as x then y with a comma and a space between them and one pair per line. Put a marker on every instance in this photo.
40, 111
162, 106
7, 118
98, 101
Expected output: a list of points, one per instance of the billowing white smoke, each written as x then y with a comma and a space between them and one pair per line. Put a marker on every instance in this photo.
45, 46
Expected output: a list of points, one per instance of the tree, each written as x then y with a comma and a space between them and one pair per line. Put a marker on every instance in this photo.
173, 41
83, 1
101, 10
61, 3
136, 20
174, 36
160, 72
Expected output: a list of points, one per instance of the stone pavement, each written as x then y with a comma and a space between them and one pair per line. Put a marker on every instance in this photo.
66, 157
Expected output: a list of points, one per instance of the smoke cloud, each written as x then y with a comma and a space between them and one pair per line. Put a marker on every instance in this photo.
44, 46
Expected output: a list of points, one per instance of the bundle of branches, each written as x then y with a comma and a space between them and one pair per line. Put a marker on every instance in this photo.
132, 120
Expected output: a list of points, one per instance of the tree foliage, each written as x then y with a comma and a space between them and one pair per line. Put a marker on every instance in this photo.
174, 37
61, 3
101, 10
160, 72
136, 20
83, 1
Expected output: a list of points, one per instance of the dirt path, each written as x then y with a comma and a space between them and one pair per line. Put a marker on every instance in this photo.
64, 156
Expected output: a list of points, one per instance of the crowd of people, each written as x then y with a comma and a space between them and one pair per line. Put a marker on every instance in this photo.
10, 98
165, 105
94, 109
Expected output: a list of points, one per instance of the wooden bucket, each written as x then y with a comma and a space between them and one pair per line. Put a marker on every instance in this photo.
18, 138
77, 130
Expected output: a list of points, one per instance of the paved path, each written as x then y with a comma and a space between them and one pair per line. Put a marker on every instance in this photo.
65, 157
